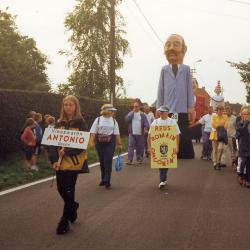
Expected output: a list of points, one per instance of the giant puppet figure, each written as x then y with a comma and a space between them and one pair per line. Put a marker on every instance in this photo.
218, 99
175, 89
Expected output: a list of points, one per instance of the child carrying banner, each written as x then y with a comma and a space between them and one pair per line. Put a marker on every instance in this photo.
163, 144
67, 161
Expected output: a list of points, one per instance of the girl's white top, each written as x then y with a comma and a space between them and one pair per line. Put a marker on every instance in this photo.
106, 126
167, 122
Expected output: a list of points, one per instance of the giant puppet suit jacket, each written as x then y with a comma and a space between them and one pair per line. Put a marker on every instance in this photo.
176, 92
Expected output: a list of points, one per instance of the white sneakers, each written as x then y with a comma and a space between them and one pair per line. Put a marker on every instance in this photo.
162, 184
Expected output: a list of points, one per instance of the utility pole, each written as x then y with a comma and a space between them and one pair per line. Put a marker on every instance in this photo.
112, 52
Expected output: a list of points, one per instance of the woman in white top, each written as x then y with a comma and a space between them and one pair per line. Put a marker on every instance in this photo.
104, 135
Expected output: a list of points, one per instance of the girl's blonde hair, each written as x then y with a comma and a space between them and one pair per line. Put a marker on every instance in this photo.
77, 114
243, 108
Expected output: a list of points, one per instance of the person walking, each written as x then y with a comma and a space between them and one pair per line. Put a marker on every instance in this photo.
28, 142
206, 143
68, 162
105, 135
243, 130
164, 120
138, 126
231, 134
218, 135
150, 117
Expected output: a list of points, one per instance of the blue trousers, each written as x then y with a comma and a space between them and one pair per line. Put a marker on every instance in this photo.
105, 151
163, 174
135, 142
206, 144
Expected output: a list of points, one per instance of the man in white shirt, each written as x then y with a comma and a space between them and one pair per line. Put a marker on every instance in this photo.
150, 117
137, 127
164, 120
206, 143
231, 132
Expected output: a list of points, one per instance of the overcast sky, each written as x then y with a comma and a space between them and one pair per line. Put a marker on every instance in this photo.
214, 30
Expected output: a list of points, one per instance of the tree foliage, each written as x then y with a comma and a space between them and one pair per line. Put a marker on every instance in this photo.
22, 65
89, 26
244, 71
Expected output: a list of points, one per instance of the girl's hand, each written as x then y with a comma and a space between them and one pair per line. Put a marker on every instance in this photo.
149, 150
119, 147
56, 166
91, 144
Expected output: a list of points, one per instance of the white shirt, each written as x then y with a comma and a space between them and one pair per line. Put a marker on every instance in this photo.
150, 117
167, 122
106, 126
231, 129
136, 124
206, 121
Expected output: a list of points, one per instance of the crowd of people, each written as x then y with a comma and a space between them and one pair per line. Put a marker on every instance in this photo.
31, 137
225, 133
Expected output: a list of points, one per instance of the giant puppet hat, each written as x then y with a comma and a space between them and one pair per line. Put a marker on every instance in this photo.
218, 89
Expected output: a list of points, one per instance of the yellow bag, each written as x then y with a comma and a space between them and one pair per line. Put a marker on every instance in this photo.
213, 135
74, 162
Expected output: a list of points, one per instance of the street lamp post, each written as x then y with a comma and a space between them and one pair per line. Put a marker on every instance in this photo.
193, 70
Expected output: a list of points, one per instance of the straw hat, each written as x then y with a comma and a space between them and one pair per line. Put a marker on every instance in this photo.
107, 108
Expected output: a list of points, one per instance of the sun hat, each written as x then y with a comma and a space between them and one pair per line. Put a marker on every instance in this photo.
107, 108
163, 108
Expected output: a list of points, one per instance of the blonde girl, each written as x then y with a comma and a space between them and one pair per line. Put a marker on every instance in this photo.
72, 160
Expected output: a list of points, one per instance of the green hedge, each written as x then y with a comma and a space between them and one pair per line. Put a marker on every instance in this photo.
16, 104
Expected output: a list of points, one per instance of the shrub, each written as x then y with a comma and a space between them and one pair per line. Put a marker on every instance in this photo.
16, 104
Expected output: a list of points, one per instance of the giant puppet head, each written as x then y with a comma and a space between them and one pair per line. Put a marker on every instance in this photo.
175, 49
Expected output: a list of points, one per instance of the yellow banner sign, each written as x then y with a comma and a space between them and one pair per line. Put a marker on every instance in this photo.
163, 146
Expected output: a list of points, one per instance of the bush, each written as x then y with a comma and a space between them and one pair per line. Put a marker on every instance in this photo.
16, 104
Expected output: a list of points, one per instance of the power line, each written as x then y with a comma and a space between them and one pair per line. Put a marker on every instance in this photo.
148, 22
237, 1
146, 31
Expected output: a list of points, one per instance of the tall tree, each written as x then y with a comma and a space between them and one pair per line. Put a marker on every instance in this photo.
89, 24
244, 71
22, 65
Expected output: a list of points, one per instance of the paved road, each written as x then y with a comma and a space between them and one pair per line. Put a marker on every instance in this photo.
201, 209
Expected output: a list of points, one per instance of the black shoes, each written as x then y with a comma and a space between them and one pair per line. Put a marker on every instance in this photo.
63, 226
106, 184
102, 183
72, 218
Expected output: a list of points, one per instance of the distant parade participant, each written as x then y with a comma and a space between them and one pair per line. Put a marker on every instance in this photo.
164, 120
175, 89
243, 129
105, 135
218, 99
206, 142
231, 134
138, 126
218, 135
150, 117
71, 164
28, 142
